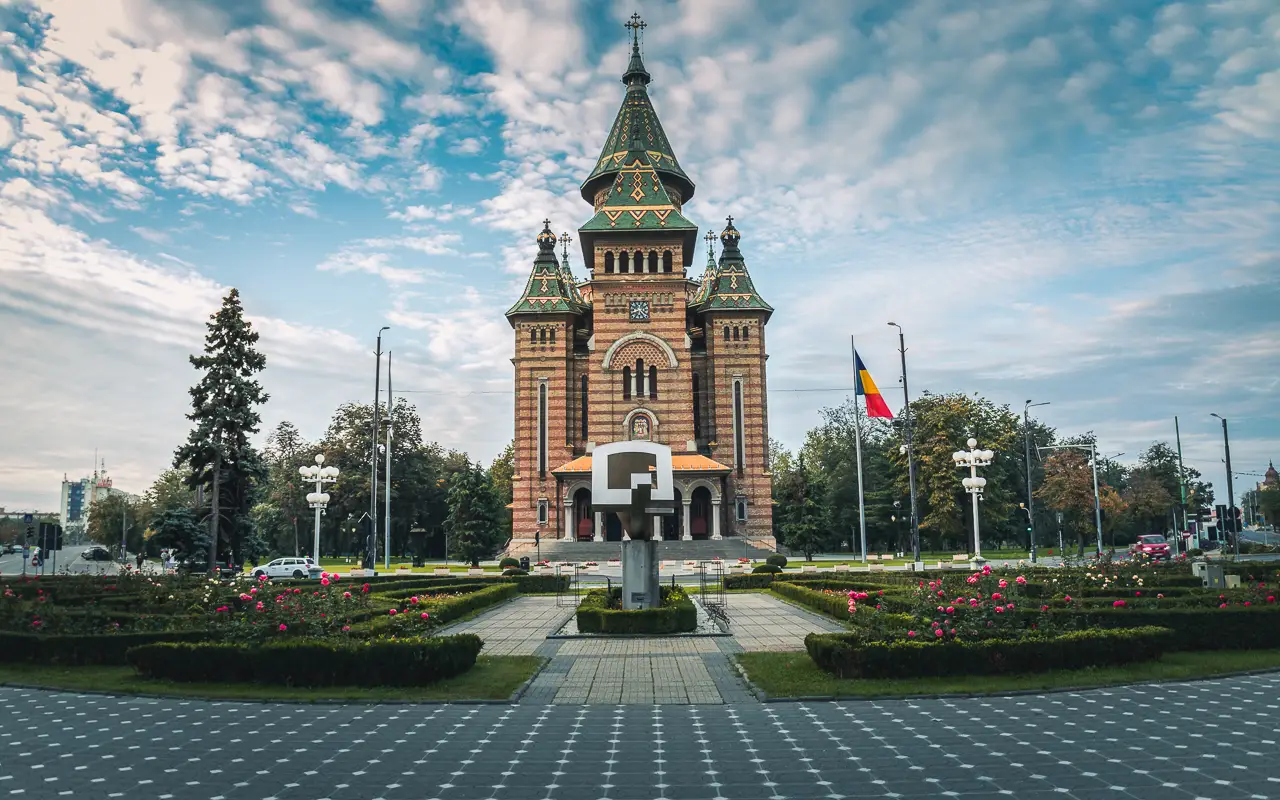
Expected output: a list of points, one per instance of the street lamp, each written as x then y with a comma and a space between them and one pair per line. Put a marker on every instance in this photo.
974, 458
911, 463
371, 546
1026, 439
1231, 495
318, 499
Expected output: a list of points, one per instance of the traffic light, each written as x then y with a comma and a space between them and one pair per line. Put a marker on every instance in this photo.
31, 532
1237, 521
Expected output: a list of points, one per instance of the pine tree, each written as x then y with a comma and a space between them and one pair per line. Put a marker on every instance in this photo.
224, 409
472, 525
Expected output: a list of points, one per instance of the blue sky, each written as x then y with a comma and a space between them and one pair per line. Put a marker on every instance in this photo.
1068, 201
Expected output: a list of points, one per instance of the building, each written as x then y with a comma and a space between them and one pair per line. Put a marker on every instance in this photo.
79, 495
641, 350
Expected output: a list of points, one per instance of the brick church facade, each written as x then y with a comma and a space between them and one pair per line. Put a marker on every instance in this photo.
641, 350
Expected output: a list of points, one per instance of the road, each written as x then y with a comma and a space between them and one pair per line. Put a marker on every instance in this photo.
68, 560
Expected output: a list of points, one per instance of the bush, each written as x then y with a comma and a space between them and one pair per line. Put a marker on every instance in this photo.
599, 613
383, 662
766, 569
833, 605
514, 572
79, 650
509, 562
851, 655
1195, 552
1231, 628
441, 612
777, 559
762, 581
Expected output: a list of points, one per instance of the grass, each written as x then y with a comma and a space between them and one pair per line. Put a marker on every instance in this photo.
795, 675
492, 678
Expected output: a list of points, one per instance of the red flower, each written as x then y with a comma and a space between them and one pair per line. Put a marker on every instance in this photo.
393, 612
365, 588
937, 632
324, 581
1044, 608
283, 627
996, 596
1118, 604
425, 615
951, 609
413, 600
911, 634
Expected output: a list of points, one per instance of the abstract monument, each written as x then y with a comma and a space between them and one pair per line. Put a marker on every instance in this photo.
634, 480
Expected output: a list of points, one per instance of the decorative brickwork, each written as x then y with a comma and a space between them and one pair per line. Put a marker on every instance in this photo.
664, 358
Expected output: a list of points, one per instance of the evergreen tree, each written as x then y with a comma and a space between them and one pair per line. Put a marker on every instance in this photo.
473, 525
177, 529
224, 409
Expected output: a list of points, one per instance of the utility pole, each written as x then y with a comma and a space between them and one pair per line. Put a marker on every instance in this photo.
911, 462
371, 545
386, 550
1231, 496
1182, 485
1026, 439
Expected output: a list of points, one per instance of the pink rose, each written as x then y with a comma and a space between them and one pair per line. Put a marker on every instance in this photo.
259, 606
425, 615
937, 632
413, 600
999, 609
346, 595
246, 597
1224, 605
346, 628
996, 596
1247, 603
283, 627
973, 579
974, 602
1004, 584
324, 581
1009, 606
1271, 598
951, 609
911, 634
1067, 598
393, 612
1118, 604
1044, 608
1021, 581
324, 574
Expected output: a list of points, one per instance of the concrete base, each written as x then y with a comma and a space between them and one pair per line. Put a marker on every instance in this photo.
640, 574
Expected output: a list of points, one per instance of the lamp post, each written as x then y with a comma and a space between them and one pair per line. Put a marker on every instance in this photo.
911, 463
1026, 439
1097, 503
319, 498
974, 458
371, 546
1231, 495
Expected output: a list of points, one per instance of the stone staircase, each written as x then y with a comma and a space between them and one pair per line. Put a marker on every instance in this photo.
700, 550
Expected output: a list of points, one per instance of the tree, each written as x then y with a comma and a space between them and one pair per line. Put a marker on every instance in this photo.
112, 516
1148, 501
1068, 488
224, 409
178, 529
1269, 505
502, 474
282, 507
473, 526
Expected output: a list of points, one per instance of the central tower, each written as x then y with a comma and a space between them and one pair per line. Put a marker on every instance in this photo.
640, 350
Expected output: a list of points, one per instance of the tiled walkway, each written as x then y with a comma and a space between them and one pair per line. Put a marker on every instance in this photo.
646, 671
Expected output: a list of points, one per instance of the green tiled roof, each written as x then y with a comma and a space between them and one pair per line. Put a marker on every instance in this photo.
551, 288
708, 275
730, 288
637, 129
638, 200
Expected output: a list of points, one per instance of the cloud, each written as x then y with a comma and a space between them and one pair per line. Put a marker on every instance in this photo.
468, 146
442, 213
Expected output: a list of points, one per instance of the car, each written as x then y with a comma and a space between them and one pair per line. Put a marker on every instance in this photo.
96, 554
1152, 546
10, 548
288, 568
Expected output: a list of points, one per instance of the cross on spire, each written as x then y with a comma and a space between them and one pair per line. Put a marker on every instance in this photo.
546, 223
635, 25
565, 238
730, 220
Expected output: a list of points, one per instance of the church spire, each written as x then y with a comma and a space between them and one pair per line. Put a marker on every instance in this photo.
548, 290
636, 73
730, 287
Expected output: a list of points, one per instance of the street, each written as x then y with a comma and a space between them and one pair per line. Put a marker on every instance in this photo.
68, 560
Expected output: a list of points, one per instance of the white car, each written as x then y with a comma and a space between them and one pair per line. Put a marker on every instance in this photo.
288, 568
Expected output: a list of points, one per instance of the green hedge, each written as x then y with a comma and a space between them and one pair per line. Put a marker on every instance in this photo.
833, 605
763, 581
850, 655
89, 649
766, 569
442, 612
1230, 628
596, 614
384, 662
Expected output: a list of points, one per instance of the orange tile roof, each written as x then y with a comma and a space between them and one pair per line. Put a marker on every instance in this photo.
690, 463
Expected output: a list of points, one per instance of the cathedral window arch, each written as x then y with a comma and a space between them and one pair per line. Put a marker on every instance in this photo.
637, 265
735, 333
639, 378
608, 263
626, 383
746, 333
543, 336
726, 333
624, 261
653, 260
553, 336
533, 336
666, 261
697, 408
653, 383
582, 411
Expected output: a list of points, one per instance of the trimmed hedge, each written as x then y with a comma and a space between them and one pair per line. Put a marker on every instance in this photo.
850, 655
1230, 628
833, 605
442, 612
84, 649
767, 569
777, 559
509, 562
596, 614
384, 662
762, 581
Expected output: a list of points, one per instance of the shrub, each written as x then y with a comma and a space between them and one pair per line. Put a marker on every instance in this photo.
753, 581
1232, 628
408, 620
777, 559
382, 662
852, 655
514, 572
541, 584
72, 650
599, 613
509, 562
766, 569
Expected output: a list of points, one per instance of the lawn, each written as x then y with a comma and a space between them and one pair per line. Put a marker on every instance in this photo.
492, 678
783, 675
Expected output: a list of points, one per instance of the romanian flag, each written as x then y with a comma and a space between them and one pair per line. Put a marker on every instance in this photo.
876, 406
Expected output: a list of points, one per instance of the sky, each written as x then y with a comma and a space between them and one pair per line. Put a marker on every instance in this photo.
1074, 202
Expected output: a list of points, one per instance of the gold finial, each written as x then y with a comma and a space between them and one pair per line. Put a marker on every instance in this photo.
565, 238
635, 25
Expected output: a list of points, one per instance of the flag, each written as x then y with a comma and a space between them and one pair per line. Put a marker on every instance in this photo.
876, 406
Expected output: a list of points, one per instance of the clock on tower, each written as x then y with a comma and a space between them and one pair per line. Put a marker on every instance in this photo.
639, 310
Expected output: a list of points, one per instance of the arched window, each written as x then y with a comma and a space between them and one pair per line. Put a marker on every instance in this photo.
639, 378
653, 383
553, 336
638, 264
746, 333
697, 408
608, 262
542, 429
735, 333
623, 259
653, 260
533, 336
544, 336
666, 261
583, 410
726, 333
626, 383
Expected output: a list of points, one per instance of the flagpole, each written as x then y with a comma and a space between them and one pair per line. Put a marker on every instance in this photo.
857, 443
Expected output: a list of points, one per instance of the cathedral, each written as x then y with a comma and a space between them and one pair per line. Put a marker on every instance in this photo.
641, 350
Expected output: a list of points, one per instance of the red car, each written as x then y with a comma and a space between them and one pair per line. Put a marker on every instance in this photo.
1153, 546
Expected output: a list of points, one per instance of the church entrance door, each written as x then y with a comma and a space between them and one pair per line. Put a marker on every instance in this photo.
612, 527
700, 513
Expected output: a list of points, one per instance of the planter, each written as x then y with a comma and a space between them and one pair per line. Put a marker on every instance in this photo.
440, 571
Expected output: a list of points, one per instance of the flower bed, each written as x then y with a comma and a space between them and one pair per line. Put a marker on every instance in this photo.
601, 612
83, 649
382, 662
415, 614
852, 655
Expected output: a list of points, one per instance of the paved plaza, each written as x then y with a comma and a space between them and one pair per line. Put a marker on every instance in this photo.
1215, 739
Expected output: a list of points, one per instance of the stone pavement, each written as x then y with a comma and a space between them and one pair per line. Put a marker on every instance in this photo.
517, 628
1214, 739
764, 622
